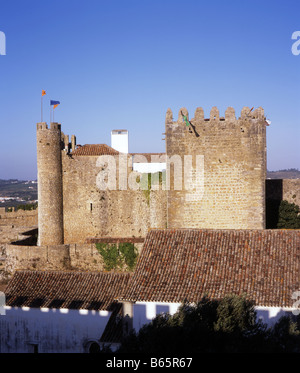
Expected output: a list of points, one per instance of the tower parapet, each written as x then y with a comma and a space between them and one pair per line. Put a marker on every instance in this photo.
229, 192
246, 114
50, 193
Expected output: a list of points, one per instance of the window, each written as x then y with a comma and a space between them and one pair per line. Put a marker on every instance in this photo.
94, 348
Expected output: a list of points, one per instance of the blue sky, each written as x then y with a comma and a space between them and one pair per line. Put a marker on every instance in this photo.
121, 64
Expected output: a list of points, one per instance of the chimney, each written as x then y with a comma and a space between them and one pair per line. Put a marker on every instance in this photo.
119, 140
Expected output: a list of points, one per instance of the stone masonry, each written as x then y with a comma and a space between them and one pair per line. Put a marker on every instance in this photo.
229, 189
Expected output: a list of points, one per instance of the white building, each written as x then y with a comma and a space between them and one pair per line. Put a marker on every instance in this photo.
61, 312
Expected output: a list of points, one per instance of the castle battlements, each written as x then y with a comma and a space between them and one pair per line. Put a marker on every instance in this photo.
63, 140
54, 126
247, 114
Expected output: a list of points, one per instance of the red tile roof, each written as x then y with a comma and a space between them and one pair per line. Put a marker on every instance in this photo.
72, 290
115, 240
103, 149
95, 150
187, 264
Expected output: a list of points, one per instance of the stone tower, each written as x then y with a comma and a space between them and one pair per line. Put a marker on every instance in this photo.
50, 193
224, 187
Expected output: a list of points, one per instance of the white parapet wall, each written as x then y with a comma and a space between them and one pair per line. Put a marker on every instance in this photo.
270, 315
149, 167
145, 312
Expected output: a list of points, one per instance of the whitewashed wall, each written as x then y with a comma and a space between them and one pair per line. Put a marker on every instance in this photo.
270, 315
144, 312
149, 167
53, 330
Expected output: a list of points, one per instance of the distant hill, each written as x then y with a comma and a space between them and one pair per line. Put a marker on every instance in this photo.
15, 192
291, 173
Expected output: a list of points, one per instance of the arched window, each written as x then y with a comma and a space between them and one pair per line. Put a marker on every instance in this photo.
94, 348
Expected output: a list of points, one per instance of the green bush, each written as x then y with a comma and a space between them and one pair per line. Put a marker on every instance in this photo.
118, 257
289, 217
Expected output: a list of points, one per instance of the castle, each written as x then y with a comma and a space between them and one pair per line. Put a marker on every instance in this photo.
215, 178
226, 191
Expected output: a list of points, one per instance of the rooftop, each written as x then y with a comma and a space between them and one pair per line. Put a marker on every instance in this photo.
103, 149
71, 290
95, 150
186, 264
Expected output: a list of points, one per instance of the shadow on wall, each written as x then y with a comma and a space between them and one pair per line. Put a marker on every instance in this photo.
25, 329
28, 238
274, 195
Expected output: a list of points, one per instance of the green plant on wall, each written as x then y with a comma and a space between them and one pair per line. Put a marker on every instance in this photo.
129, 254
118, 257
147, 179
110, 255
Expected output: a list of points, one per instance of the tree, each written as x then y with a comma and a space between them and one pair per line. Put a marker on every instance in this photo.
289, 217
227, 325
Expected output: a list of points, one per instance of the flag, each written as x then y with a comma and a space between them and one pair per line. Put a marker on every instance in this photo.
185, 120
54, 103
43, 93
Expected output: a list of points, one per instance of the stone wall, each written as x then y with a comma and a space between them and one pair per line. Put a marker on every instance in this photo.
91, 212
82, 257
228, 189
61, 257
36, 257
19, 218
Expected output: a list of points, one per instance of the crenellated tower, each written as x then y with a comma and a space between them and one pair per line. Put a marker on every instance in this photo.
50, 192
224, 184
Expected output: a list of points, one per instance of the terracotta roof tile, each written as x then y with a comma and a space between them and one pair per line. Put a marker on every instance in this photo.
95, 150
72, 290
181, 264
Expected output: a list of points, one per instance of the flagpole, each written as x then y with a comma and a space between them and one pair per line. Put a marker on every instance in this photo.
42, 108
